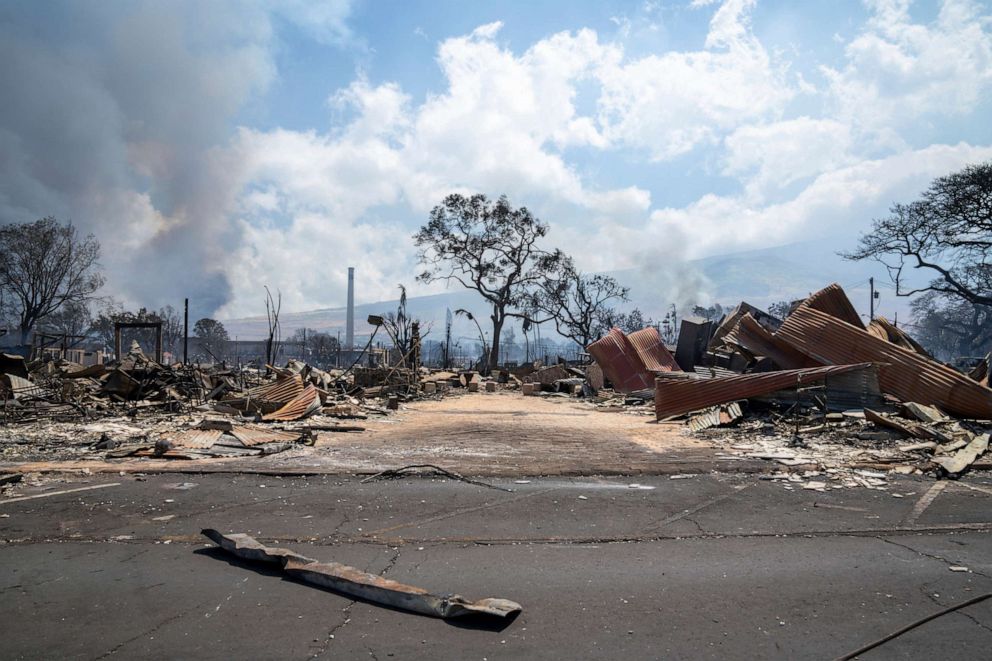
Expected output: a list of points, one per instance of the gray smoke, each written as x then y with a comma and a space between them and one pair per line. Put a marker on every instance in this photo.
116, 115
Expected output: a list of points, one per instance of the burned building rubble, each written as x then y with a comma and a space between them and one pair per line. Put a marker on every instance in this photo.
763, 387
819, 373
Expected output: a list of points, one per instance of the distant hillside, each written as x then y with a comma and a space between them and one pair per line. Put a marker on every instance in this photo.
760, 277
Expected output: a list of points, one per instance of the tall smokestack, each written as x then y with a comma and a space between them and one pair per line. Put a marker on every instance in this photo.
349, 334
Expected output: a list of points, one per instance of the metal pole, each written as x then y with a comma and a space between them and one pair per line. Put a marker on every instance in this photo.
186, 332
871, 285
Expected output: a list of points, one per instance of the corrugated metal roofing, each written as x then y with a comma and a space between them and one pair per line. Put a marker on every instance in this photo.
305, 404
251, 436
756, 340
881, 328
652, 352
269, 397
196, 438
620, 362
903, 373
833, 301
678, 396
732, 318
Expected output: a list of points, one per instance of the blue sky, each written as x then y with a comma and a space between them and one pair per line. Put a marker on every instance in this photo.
217, 147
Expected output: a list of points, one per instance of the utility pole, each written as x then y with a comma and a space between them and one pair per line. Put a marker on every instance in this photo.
186, 332
871, 300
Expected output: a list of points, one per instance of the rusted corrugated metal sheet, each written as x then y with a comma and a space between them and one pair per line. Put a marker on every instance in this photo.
881, 328
676, 396
252, 436
305, 404
756, 340
732, 318
195, 438
620, 362
269, 397
651, 350
904, 374
833, 301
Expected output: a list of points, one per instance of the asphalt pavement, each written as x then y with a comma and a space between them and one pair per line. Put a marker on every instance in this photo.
723, 566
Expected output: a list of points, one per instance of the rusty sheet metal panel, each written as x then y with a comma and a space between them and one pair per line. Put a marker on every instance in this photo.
251, 436
730, 321
620, 362
195, 438
675, 396
903, 373
652, 351
268, 397
881, 328
840, 392
357, 583
282, 390
756, 340
304, 405
833, 301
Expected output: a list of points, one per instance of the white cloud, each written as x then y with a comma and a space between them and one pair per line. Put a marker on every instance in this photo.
839, 201
898, 71
669, 104
770, 157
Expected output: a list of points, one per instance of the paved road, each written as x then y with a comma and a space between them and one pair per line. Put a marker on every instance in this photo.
718, 566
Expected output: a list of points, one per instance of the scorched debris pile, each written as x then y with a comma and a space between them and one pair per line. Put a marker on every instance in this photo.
818, 370
138, 407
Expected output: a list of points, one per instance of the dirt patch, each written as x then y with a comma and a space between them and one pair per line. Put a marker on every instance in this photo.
505, 433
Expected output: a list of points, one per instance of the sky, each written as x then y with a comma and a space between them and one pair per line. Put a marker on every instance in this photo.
215, 148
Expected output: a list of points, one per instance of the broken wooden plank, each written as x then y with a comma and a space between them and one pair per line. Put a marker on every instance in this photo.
357, 583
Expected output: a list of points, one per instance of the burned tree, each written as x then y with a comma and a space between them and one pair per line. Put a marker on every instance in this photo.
489, 247
213, 336
578, 304
73, 319
399, 325
318, 347
947, 234
46, 265
172, 327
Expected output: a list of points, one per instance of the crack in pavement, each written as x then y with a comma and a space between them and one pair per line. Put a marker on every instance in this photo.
493, 541
392, 562
925, 588
695, 523
929, 594
692, 510
940, 558
345, 519
168, 620
347, 612
330, 634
